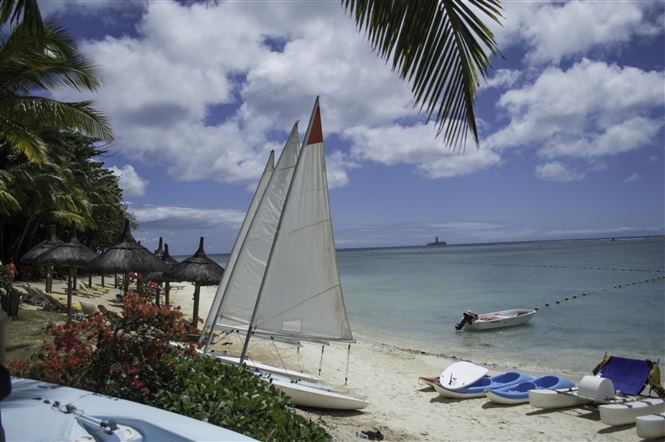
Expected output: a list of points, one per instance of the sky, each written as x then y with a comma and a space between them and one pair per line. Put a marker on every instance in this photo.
571, 119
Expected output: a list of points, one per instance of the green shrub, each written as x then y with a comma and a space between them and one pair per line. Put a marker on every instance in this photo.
234, 398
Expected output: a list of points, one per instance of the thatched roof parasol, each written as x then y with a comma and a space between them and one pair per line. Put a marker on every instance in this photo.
200, 270
72, 254
162, 253
44, 246
127, 256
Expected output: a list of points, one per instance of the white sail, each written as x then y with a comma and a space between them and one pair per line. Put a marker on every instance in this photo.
230, 264
301, 295
238, 298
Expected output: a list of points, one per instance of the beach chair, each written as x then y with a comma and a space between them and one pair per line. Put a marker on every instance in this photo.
630, 377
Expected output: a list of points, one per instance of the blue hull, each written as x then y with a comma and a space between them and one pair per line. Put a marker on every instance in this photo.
478, 388
519, 393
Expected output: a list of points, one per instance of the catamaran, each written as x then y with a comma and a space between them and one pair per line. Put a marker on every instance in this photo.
281, 281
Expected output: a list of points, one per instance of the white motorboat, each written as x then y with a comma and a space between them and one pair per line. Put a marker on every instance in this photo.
492, 320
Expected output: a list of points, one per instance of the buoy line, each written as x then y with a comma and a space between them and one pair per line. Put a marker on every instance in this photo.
618, 286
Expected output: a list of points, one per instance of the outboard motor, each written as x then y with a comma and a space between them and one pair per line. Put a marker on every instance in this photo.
467, 318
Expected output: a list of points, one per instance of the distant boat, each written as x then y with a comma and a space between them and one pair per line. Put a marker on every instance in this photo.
501, 319
437, 242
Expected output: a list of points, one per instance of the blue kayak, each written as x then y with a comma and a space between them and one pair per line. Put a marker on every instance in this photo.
478, 388
519, 393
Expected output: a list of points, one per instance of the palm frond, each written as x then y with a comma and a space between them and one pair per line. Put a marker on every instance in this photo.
441, 47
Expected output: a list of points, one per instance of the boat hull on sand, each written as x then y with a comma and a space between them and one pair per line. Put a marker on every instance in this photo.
519, 394
41, 411
482, 385
625, 413
315, 395
651, 426
553, 399
493, 320
235, 360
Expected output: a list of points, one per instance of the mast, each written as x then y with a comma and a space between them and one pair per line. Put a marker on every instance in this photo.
314, 122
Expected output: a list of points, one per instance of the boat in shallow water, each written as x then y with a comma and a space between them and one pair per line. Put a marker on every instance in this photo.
41, 411
492, 320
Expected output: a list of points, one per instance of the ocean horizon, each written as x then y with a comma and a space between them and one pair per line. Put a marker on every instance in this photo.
594, 296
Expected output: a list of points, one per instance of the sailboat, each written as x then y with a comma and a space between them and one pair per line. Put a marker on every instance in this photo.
282, 280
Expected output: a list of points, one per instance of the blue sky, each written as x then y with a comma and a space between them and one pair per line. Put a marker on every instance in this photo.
571, 121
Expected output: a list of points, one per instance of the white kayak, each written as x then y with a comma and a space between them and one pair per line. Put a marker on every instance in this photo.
625, 412
651, 426
41, 411
559, 398
314, 395
501, 319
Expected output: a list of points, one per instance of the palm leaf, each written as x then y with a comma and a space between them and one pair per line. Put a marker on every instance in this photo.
441, 46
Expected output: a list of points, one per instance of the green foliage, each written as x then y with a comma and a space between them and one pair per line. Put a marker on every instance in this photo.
130, 355
234, 398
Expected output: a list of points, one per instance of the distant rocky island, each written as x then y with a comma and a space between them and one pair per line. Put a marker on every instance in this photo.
436, 242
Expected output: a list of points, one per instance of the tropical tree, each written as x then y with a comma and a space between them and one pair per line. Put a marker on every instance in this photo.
27, 67
441, 46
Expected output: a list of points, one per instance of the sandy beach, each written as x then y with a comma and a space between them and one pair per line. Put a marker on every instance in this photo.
387, 376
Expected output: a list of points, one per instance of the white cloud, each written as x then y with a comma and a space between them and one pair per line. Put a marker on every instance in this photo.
590, 110
502, 79
416, 145
182, 218
160, 88
130, 181
556, 171
633, 177
556, 31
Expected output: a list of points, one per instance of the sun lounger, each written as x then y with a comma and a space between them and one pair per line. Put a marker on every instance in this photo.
616, 380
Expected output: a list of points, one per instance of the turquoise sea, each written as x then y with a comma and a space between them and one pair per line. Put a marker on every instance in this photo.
593, 296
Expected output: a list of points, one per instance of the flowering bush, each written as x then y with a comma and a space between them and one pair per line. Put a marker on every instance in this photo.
127, 355
132, 355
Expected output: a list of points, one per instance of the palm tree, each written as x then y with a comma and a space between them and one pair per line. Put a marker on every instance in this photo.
440, 47
28, 66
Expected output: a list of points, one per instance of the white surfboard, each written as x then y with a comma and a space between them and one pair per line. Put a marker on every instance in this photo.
461, 374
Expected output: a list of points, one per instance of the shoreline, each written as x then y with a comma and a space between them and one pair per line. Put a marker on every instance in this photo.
386, 375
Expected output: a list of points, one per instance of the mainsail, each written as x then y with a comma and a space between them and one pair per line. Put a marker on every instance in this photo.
236, 296
284, 282
249, 216
301, 295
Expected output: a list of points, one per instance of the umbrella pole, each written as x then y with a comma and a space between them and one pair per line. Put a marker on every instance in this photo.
72, 277
126, 284
159, 286
49, 278
167, 293
195, 314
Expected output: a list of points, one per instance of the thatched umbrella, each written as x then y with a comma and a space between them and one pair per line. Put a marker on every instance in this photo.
162, 253
72, 254
200, 270
127, 256
44, 246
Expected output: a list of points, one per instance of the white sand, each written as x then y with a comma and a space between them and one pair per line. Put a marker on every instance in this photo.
400, 408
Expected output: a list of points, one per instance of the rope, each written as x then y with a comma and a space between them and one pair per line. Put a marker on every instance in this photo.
542, 266
618, 286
